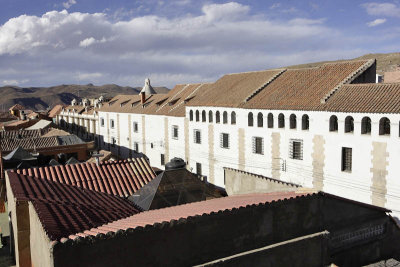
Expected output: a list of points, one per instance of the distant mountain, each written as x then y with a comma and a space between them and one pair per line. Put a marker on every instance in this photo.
39, 98
385, 62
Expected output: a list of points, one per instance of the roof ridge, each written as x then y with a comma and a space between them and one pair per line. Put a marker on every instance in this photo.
264, 86
254, 71
349, 78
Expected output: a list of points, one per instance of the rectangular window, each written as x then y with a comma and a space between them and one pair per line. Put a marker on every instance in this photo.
111, 123
135, 127
346, 159
174, 131
136, 147
224, 140
296, 149
197, 136
258, 145
102, 122
162, 159
198, 168
113, 141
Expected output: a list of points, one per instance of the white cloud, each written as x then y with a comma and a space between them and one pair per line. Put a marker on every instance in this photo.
376, 22
382, 9
62, 47
275, 5
69, 3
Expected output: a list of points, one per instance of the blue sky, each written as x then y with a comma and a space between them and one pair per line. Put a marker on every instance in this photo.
46, 43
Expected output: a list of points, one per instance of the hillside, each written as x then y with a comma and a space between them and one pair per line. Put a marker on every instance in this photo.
39, 98
385, 62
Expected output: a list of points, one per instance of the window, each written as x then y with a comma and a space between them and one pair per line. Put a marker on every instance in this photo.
174, 131
260, 120
136, 147
333, 124
281, 120
198, 168
346, 159
384, 126
225, 117
233, 118
293, 121
191, 115
162, 159
102, 122
270, 120
250, 119
305, 122
366, 125
349, 124
210, 116
197, 115
111, 123
135, 127
224, 140
113, 141
203, 116
197, 137
151, 145
258, 145
296, 149
217, 117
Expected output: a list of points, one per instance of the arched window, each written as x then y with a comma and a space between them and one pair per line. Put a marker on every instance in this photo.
197, 115
349, 124
333, 124
260, 120
203, 116
233, 117
250, 119
305, 122
270, 120
366, 125
225, 117
281, 120
384, 126
191, 115
217, 117
210, 116
293, 121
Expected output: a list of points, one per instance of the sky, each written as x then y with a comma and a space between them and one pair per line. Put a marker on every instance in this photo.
46, 43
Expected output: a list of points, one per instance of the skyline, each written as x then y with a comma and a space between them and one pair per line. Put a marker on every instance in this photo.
184, 41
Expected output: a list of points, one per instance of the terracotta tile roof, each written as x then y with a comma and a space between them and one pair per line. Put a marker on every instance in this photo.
233, 89
65, 210
55, 111
304, 89
369, 98
17, 107
172, 104
121, 178
20, 134
7, 116
10, 144
78, 108
201, 208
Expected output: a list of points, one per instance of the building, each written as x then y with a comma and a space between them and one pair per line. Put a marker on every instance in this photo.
57, 224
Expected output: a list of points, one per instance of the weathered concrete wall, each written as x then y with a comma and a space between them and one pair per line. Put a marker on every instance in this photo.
20, 223
310, 250
379, 172
39, 242
240, 182
318, 162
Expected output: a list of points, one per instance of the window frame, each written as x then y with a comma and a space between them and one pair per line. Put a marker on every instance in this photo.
224, 141
175, 129
347, 159
258, 149
197, 139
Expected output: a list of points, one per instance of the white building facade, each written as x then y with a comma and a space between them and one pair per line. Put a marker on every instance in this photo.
335, 132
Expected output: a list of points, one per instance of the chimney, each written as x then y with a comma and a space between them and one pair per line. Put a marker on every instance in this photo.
142, 97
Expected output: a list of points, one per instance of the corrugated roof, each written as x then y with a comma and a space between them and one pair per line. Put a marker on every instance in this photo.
304, 89
370, 98
65, 210
188, 210
122, 178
